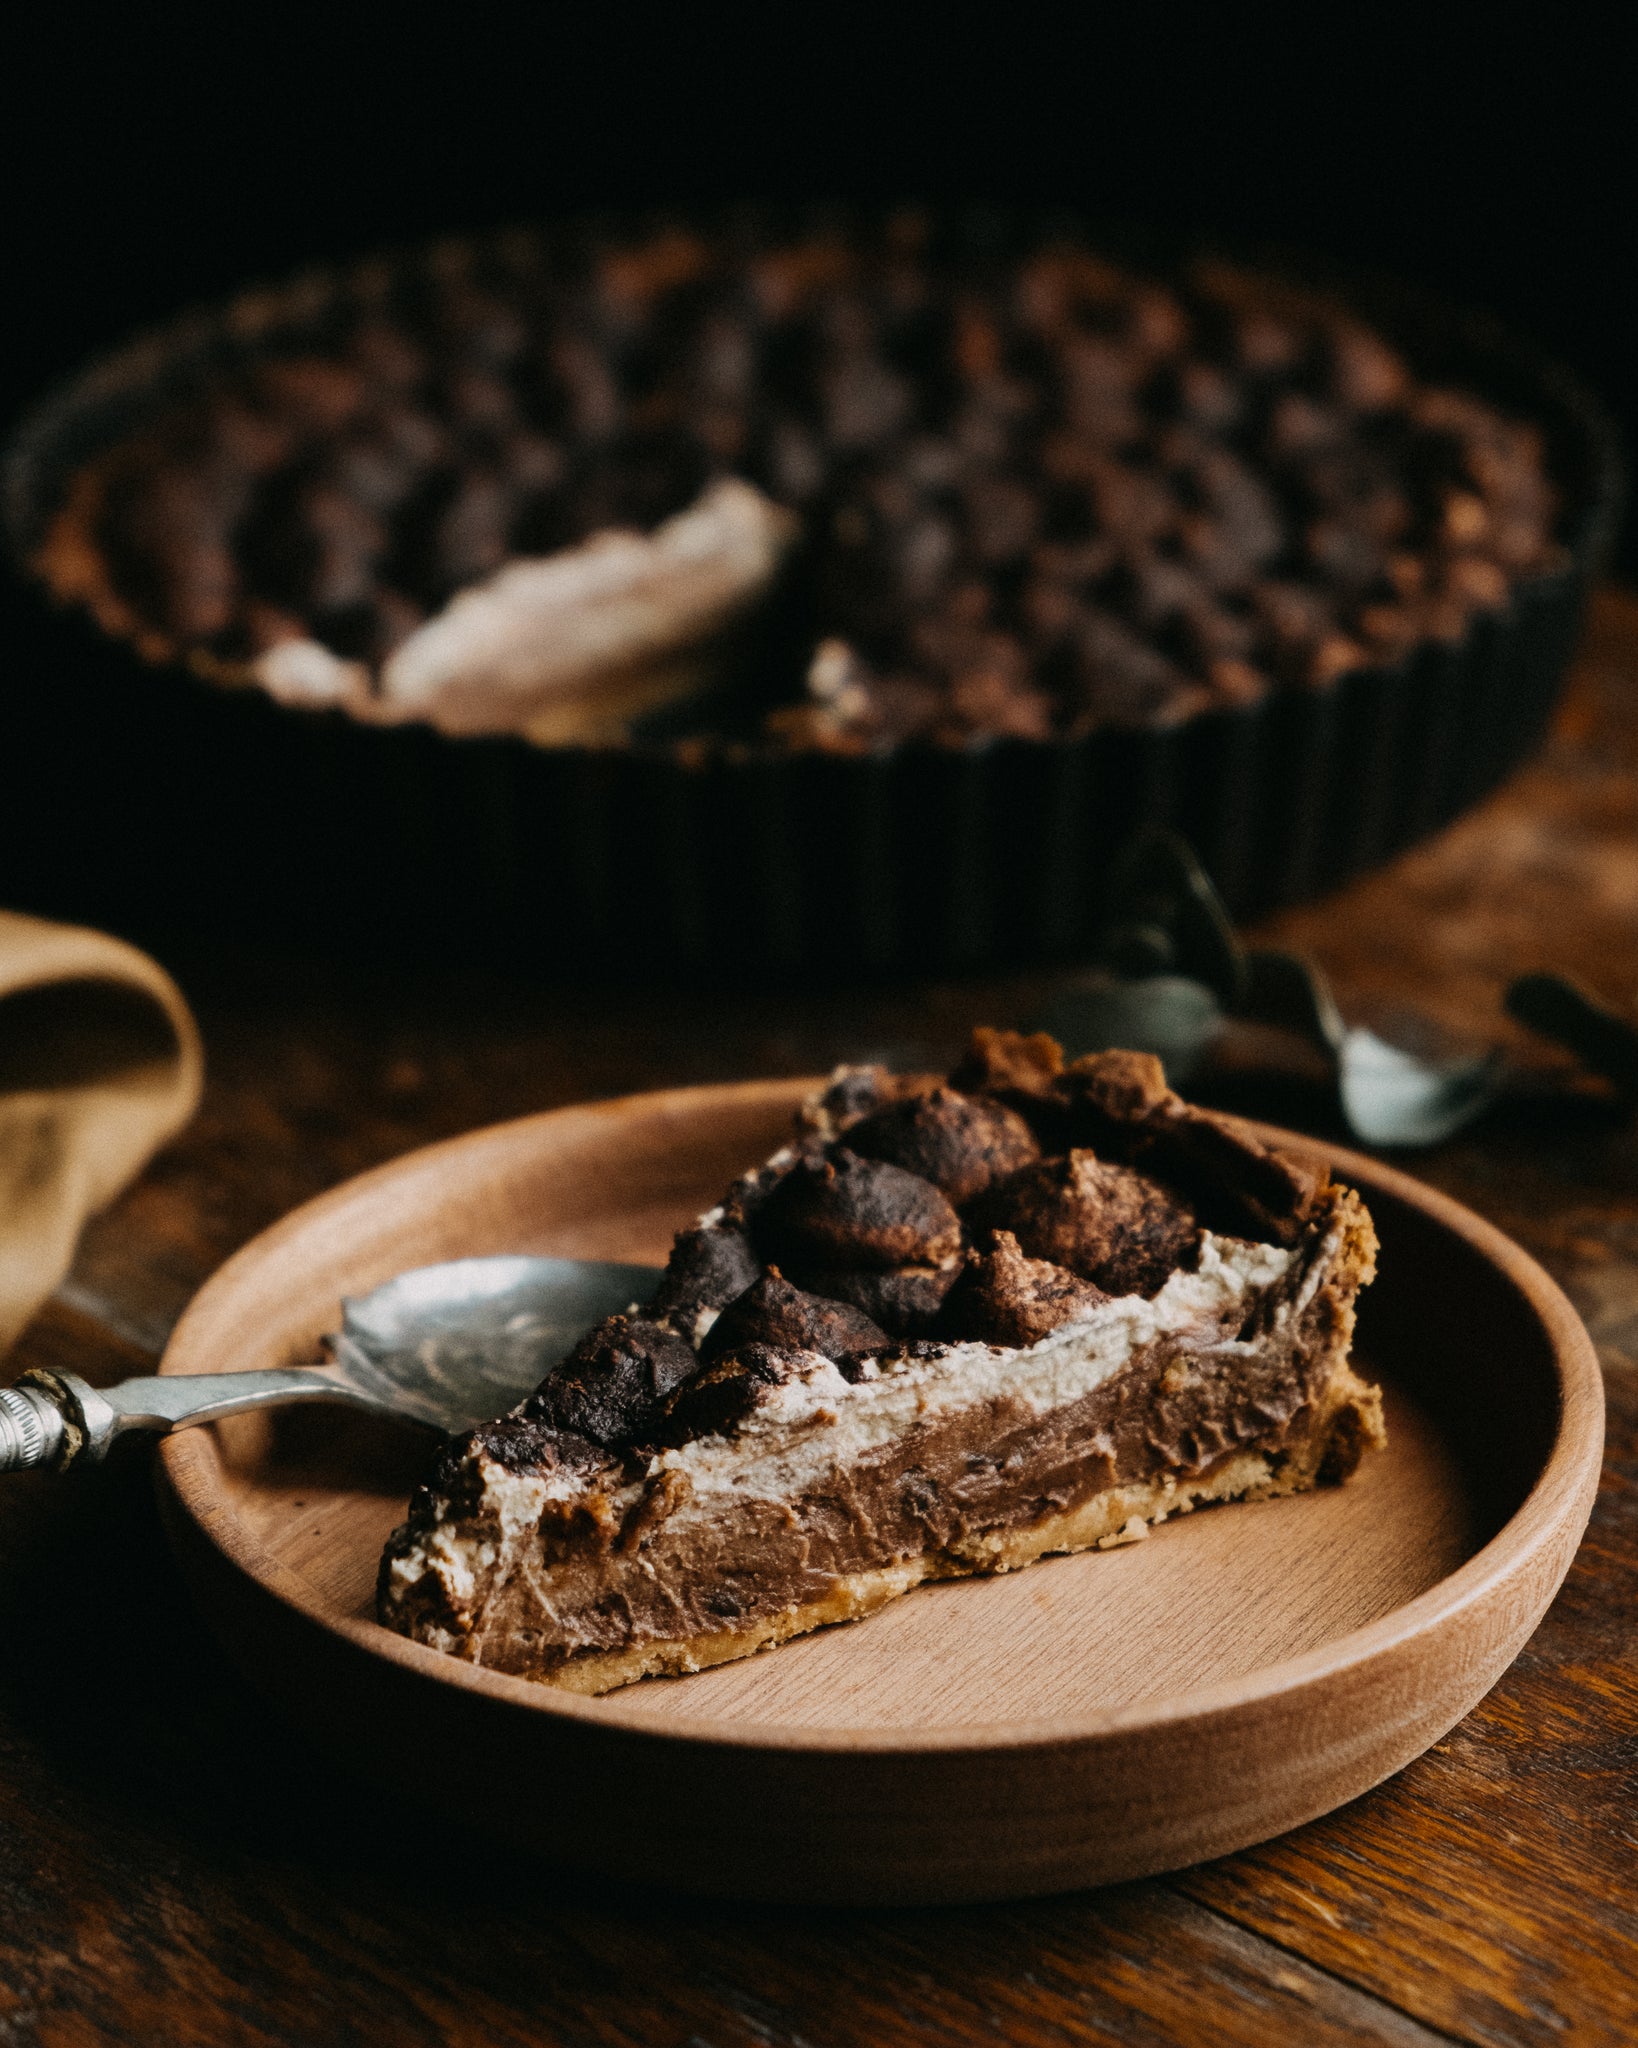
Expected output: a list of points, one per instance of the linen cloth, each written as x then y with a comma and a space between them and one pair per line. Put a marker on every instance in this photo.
100, 1063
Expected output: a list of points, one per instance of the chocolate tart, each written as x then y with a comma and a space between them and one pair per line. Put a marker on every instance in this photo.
763, 593
950, 1329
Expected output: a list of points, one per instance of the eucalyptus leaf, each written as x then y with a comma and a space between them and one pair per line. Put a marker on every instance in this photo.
1163, 916
1392, 1097
1169, 1015
1170, 972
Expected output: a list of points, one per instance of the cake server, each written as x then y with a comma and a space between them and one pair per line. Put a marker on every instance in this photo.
443, 1346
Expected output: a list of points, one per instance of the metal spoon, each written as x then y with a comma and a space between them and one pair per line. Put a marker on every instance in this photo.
443, 1346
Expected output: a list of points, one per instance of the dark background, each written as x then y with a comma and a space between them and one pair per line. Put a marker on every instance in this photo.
160, 157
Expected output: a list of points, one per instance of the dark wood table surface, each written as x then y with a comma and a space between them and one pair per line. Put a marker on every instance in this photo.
176, 1866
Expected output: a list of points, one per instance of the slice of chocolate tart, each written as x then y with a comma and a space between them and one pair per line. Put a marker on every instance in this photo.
950, 1328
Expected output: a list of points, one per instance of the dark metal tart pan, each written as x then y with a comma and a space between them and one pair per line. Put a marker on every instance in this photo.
159, 802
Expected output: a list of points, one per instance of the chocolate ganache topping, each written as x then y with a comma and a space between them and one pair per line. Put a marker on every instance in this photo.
1115, 1227
845, 1211
977, 491
613, 1386
921, 1212
775, 1314
1004, 1297
959, 1142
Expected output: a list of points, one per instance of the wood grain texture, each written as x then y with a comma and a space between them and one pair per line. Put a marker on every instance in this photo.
176, 1865
1092, 1718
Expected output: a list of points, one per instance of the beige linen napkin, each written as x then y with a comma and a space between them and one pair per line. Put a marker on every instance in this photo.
100, 1063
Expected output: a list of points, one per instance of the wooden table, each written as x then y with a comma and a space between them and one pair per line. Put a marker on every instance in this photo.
177, 1867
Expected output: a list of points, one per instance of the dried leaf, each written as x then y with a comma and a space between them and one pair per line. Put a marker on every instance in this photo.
1171, 971
1598, 1036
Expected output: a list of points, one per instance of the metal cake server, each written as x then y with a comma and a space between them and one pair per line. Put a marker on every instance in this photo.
444, 1346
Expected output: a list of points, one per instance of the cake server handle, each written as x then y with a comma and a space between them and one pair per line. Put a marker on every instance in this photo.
56, 1419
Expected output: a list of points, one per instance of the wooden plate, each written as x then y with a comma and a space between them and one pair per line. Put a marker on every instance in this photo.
1091, 1718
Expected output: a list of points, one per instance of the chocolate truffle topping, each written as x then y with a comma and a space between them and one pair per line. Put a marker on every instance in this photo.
1004, 1298
719, 1397
517, 1443
903, 1301
775, 1313
958, 1142
851, 1212
854, 1092
1115, 1227
750, 1194
1117, 1088
1238, 1185
1119, 1103
708, 1268
1010, 1065
611, 1387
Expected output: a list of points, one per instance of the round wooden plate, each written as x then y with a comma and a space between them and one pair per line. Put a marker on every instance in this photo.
1091, 1718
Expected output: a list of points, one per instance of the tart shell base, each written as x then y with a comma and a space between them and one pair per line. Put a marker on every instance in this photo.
237, 820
